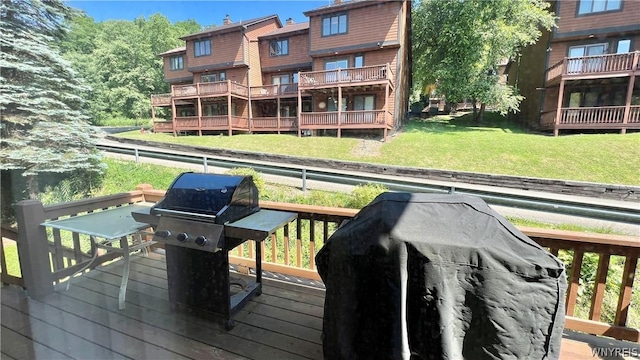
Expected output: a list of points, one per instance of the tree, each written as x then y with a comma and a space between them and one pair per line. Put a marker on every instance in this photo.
44, 127
119, 60
458, 45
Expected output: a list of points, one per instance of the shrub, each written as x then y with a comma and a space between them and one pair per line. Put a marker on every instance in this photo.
257, 178
364, 194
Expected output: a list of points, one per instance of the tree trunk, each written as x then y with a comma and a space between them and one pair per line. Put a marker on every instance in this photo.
481, 115
475, 111
32, 184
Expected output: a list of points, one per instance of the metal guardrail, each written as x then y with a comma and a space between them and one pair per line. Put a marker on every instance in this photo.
627, 214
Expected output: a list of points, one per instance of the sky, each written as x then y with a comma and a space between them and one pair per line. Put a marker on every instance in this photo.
205, 12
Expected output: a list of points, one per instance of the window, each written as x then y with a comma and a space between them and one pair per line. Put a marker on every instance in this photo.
333, 25
202, 47
596, 6
279, 47
280, 79
358, 61
332, 103
364, 102
176, 63
623, 46
589, 64
212, 77
332, 76
215, 109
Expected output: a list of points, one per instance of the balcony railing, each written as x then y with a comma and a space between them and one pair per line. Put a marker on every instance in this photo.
363, 117
161, 100
351, 76
271, 123
292, 250
220, 88
594, 65
602, 117
592, 115
347, 118
163, 126
274, 90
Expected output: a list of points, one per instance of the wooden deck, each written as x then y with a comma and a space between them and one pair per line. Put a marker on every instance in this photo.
285, 322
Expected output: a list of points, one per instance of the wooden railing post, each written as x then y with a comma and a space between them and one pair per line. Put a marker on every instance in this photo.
33, 250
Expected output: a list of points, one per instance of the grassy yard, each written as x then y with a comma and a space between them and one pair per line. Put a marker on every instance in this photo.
454, 143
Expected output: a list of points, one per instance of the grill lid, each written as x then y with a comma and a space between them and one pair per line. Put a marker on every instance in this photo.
227, 197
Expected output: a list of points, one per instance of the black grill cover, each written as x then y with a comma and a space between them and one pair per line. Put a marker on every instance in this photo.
425, 276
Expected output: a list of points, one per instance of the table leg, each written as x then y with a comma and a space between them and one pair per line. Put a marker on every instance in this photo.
125, 273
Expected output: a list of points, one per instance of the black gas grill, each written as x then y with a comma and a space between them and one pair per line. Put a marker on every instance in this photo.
200, 219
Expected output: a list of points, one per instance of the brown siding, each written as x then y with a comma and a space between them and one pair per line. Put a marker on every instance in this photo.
255, 72
175, 74
253, 53
263, 28
225, 48
561, 49
238, 75
569, 22
298, 52
372, 24
527, 76
378, 57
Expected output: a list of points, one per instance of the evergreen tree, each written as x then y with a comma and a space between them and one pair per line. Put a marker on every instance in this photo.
44, 126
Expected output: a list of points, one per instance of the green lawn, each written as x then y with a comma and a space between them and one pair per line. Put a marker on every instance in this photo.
496, 146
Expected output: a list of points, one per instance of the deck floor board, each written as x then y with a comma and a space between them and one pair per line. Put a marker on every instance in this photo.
285, 322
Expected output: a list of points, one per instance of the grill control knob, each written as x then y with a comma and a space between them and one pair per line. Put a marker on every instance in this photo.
183, 237
201, 240
163, 234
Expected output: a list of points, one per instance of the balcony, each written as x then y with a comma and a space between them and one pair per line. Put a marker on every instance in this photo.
379, 75
274, 91
603, 117
274, 124
595, 67
362, 119
209, 89
284, 322
161, 100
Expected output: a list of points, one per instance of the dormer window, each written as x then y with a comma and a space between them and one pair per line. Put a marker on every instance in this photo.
334, 24
279, 47
202, 47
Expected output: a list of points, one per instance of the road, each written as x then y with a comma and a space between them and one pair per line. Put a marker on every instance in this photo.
552, 218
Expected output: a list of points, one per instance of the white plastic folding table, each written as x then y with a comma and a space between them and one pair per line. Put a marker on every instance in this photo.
104, 229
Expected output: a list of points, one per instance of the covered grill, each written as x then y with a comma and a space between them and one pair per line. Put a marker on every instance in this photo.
424, 276
199, 220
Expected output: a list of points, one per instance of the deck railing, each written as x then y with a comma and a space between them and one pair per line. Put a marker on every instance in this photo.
374, 73
163, 126
592, 115
220, 88
274, 90
272, 124
363, 117
161, 100
330, 118
319, 118
595, 64
292, 251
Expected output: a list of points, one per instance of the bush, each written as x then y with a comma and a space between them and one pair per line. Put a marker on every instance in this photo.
257, 178
364, 194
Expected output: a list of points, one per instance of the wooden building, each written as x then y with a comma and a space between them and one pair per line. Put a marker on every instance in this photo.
590, 78
347, 69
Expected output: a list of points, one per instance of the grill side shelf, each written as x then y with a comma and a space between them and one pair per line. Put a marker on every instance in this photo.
258, 226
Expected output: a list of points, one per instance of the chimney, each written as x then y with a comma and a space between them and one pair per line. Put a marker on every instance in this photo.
290, 21
226, 20
336, 2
